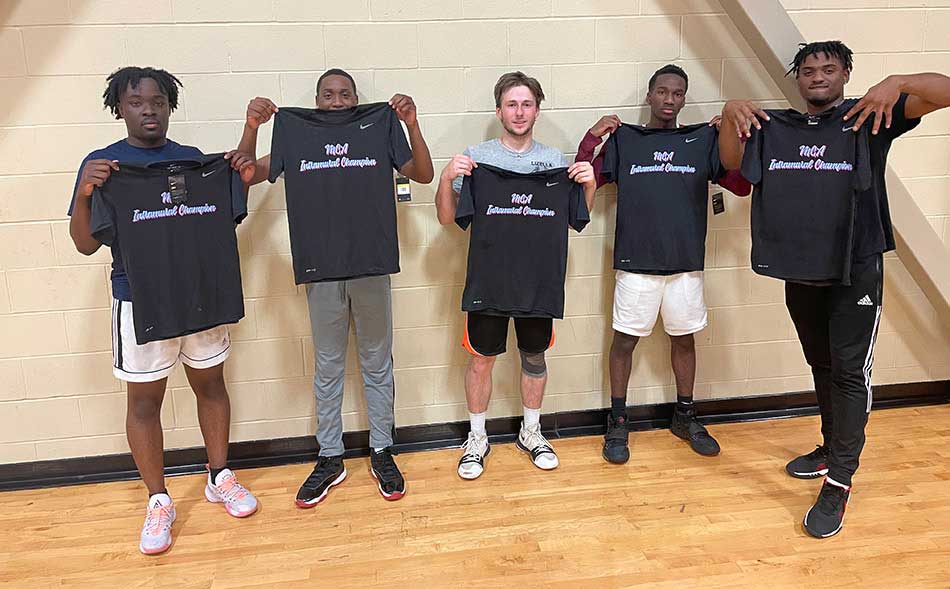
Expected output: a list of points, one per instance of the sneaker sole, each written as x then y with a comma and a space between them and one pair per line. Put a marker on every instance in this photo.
523, 448
807, 475
820, 536
153, 551
390, 497
212, 499
314, 502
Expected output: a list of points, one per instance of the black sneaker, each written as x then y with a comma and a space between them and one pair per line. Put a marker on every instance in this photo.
687, 427
388, 478
826, 516
616, 440
328, 472
811, 465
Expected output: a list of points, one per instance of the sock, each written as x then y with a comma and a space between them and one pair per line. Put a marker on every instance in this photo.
532, 417
684, 403
160, 498
618, 407
215, 472
478, 423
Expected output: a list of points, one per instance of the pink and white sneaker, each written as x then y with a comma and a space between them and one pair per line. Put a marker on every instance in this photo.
238, 501
157, 531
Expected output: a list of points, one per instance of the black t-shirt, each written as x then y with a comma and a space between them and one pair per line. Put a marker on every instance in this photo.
808, 171
517, 253
662, 180
341, 203
873, 233
181, 257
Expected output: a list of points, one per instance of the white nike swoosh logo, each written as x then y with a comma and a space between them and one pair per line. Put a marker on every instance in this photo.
691, 140
366, 126
206, 174
845, 129
550, 184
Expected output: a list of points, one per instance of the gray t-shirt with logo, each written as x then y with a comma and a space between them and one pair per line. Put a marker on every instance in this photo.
493, 152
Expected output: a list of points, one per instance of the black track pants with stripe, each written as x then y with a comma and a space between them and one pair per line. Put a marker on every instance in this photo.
837, 327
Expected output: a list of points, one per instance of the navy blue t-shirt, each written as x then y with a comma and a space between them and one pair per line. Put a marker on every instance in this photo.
122, 152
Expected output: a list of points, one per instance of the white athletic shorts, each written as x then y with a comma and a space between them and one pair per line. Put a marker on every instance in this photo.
639, 298
153, 361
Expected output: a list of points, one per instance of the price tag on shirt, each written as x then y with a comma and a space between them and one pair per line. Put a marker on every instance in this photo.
177, 187
402, 189
719, 203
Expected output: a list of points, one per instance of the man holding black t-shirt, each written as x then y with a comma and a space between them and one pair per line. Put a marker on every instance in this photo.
145, 98
836, 319
517, 105
342, 216
662, 173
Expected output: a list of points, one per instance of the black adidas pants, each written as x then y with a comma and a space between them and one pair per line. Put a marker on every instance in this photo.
837, 327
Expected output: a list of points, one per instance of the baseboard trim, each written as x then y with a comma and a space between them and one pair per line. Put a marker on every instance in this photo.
260, 453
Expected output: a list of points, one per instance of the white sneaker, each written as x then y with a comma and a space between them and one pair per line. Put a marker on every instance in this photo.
157, 531
531, 441
238, 501
474, 451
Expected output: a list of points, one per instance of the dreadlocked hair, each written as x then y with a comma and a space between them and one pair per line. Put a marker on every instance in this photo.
835, 49
121, 79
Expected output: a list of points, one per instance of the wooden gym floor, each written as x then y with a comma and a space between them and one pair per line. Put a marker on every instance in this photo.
669, 518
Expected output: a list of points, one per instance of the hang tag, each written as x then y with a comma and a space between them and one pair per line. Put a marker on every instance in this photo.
403, 193
719, 203
177, 187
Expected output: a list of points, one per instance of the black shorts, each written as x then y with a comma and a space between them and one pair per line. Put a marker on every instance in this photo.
486, 335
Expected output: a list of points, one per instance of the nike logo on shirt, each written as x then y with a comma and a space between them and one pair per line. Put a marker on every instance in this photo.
550, 184
206, 174
367, 126
691, 140
846, 129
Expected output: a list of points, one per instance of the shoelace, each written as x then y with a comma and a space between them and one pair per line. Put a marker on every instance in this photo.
818, 453
618, 431
231, 490
535, 439
830, 499
320, 472
473, 446
385, 465
158, 519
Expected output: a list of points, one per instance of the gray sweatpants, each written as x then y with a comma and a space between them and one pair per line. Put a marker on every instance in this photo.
369, 300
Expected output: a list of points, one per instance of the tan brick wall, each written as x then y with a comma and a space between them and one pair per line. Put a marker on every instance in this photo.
57, 394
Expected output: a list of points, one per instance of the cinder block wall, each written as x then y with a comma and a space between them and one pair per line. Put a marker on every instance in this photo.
57, 395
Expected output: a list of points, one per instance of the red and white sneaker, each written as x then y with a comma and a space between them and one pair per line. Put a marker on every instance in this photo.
157, 532
237, 500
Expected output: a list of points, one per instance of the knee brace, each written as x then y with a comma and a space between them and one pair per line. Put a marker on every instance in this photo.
532, 364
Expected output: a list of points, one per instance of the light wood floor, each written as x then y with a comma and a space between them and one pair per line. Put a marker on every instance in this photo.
669, 518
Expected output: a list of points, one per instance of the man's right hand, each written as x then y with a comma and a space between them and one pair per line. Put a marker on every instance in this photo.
607, 124
743, 115
94, 174
259, 111
460, 165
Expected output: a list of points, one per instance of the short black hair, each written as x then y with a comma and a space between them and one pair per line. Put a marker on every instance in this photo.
121, 79
668, 69
335, 72
835, 49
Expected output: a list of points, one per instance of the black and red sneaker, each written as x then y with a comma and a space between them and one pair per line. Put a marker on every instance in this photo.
389, 481
811, 465
826, 516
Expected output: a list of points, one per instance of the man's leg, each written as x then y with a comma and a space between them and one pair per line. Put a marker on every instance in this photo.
329, 308
535, 336
143, 428
855, 314
484, 338
620, 365
145, 368
808, 308
371, 305
684, 313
